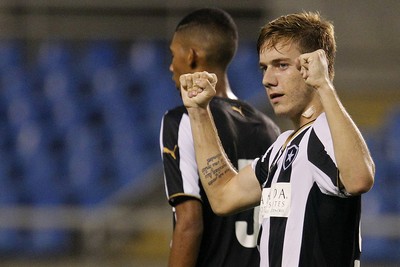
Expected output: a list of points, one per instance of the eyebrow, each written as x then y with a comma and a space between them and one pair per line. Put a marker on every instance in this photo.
276, 61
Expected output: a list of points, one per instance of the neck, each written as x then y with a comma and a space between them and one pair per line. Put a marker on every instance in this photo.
223, 88
309, 115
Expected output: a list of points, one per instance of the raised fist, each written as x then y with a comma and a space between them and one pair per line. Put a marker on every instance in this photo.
197, 89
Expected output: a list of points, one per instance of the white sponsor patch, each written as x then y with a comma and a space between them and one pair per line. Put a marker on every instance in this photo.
275, 201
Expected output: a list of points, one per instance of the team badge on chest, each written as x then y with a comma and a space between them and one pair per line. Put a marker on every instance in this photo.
291, 154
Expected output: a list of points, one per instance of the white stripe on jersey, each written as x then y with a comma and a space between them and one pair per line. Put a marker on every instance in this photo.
187, 163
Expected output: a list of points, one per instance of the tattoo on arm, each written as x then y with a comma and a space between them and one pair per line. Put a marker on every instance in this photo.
215, 168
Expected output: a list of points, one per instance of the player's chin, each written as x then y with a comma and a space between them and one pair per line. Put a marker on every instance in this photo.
280, 110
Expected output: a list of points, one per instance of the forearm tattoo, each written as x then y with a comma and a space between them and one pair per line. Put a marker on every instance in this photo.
215, 168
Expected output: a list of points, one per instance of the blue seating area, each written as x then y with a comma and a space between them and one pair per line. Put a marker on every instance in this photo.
384, 198
79, 120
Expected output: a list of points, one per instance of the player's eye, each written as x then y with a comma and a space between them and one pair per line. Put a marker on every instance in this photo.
263, 69
283, 65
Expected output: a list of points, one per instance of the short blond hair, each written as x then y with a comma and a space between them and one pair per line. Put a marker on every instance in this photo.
308, 30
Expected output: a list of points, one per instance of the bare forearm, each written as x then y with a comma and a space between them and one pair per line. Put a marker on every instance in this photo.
185, 246
214, 167
352, 155
226, 189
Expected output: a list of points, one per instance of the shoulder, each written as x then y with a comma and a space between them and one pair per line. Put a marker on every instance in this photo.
175, 112
321, 129
278, 143
321, 121
174, 116
281, 139
255, 112
235, 105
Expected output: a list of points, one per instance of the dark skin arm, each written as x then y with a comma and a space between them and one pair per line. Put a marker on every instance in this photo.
186, 238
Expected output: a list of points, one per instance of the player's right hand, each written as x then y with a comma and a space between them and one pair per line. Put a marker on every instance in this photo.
314, 69
197, 89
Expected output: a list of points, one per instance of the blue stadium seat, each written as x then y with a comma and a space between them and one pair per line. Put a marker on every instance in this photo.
97, 55
11, 54
47, 242
244, 74
67, 113
124, 144
54, 55
108, 88
62, 95
33, 152
11, 239
147, 56
44, 186
9, 194
84, 163
15, 83
378, 249
60, 84
150, 80
11, 242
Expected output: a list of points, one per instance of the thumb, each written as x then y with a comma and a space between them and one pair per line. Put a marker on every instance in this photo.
213, 79
182, 81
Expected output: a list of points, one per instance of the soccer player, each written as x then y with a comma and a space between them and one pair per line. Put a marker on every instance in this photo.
309, 182
206, 40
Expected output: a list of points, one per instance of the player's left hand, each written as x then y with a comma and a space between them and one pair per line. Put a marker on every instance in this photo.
314, 68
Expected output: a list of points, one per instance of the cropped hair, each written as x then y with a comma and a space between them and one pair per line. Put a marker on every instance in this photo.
217, 33
308, 30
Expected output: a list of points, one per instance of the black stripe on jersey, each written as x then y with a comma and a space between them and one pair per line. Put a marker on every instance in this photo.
262, 167
331, 230
278, 224
277, 230
317, 155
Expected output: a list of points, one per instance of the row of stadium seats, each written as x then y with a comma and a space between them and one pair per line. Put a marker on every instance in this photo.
78, 122
88, 114
86, 127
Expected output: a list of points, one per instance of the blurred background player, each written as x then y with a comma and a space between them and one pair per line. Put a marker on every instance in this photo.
206, 40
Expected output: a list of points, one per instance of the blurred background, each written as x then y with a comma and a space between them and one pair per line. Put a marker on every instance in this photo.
83, 87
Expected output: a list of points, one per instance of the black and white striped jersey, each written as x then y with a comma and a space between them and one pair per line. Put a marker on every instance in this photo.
245, 133
307, 220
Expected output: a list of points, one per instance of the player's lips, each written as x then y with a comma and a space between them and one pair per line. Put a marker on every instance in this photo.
275, 97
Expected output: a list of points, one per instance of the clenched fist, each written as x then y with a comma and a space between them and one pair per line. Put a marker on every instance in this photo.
314, 68
197, 89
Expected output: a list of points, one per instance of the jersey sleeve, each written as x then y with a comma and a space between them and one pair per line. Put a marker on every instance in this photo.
180, 169
322, 159
260, 167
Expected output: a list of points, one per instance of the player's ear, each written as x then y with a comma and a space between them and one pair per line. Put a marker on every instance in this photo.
192, 58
